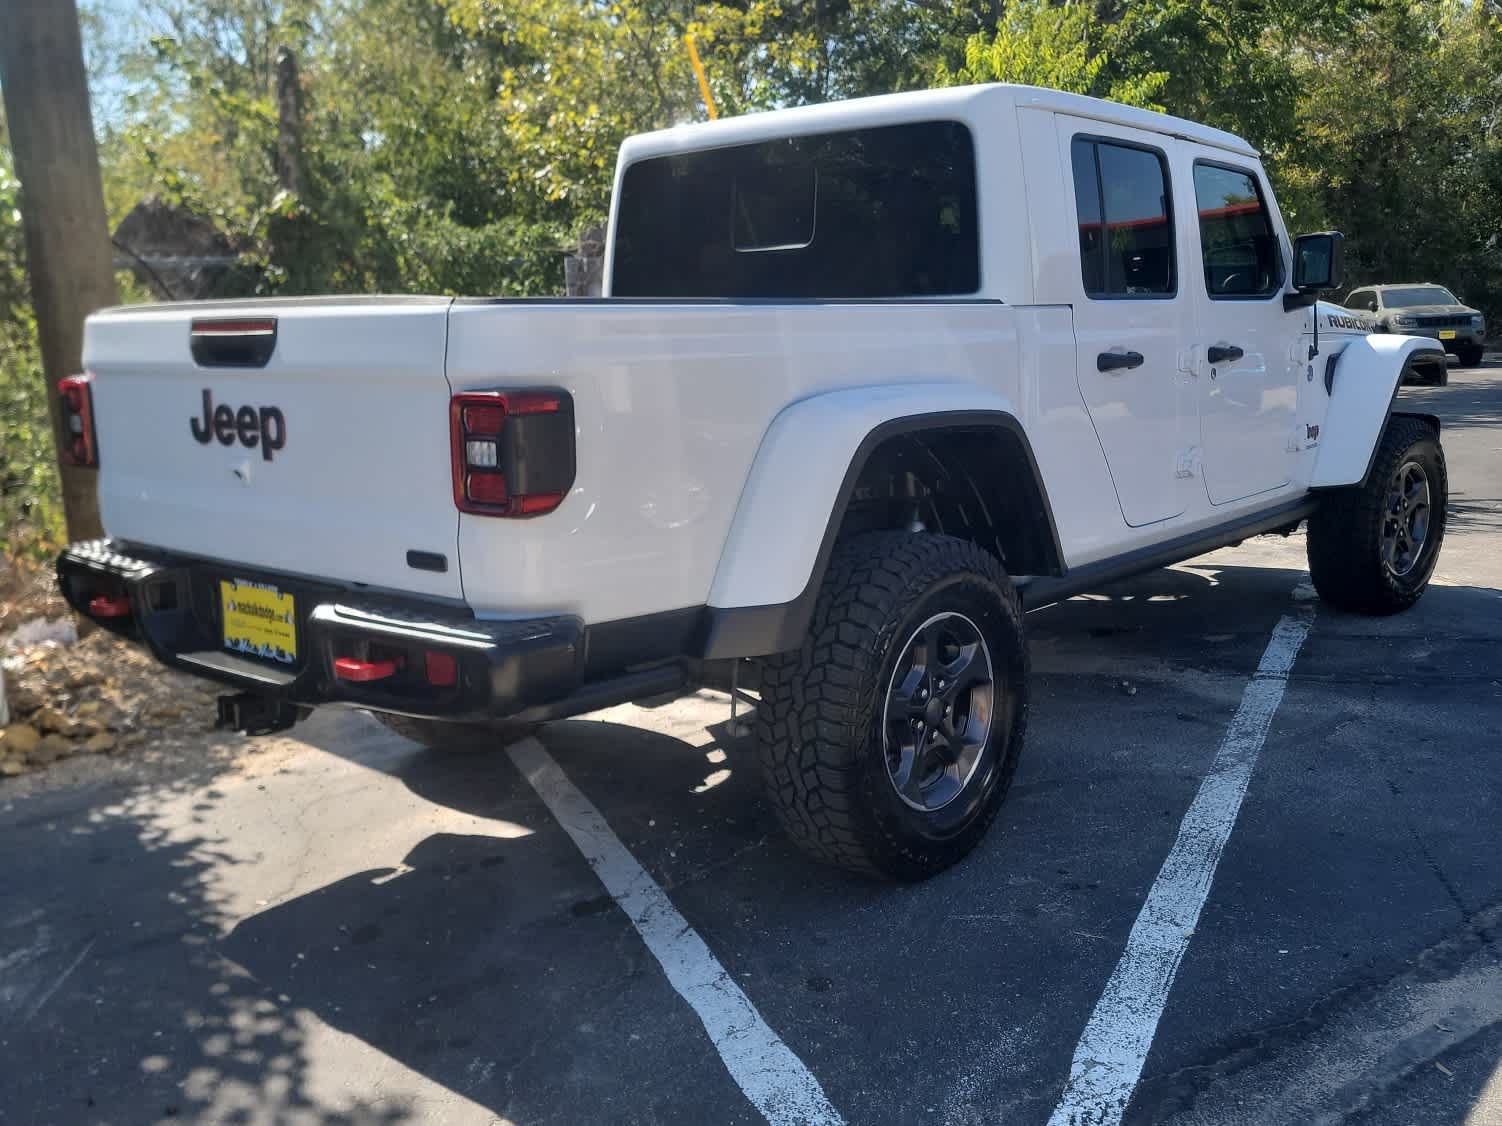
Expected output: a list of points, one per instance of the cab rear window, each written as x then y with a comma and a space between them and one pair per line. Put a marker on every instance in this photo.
872, 213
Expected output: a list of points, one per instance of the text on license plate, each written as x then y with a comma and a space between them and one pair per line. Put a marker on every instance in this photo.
259, 620
1447, 334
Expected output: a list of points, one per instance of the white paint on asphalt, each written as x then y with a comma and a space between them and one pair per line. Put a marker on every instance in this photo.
1111, 1051
40, 1002
772, 1077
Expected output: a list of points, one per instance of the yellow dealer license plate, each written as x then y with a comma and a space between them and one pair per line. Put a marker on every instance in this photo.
259, 620
1447, 334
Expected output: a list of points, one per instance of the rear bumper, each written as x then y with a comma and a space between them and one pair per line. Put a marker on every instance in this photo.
528, 668
1463, 338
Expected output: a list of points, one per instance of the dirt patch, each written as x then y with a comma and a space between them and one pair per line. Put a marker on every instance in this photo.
28, 590
102, 708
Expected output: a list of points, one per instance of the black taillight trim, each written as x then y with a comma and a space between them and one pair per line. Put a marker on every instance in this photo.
535, 451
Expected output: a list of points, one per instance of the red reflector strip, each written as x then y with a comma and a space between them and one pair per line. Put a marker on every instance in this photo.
110, 606
347, 668
441, 668
486, 488
534, 503
234, 328
530, 402
484, 420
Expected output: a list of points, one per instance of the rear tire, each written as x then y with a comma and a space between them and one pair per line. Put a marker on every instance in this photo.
889, 739
1438, 375
1373, 547
460, 738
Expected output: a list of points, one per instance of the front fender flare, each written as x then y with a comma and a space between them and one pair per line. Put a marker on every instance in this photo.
795, 497
1365, 384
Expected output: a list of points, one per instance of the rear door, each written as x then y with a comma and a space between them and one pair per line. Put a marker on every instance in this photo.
330, 459
1247, 341
1130, 313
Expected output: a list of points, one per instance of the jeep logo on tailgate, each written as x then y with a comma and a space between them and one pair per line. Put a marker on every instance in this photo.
251, 426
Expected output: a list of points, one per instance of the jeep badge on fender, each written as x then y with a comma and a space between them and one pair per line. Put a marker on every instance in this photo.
265, 427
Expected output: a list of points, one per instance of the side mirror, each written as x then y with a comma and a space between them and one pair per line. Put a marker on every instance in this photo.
1319, 262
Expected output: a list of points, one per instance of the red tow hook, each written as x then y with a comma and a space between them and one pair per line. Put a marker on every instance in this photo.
109, 606
347, 668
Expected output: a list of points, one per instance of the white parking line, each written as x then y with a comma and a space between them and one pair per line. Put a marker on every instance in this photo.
772, 1077
1111, 1051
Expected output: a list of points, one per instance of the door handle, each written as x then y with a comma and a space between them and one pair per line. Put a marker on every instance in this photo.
1112, 361
1220, 353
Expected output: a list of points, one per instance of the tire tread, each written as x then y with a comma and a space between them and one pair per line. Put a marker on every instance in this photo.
818, 701
1344, 532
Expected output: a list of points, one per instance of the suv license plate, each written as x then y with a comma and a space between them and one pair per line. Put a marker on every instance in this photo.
1447, 334
259, 620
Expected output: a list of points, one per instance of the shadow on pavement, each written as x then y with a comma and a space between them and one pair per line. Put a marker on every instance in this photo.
498, 969
117, 1003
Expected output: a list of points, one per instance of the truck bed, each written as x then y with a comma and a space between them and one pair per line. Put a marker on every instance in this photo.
671, 401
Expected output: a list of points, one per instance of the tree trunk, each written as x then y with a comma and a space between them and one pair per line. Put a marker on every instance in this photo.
584, 271
62, 205
289, 163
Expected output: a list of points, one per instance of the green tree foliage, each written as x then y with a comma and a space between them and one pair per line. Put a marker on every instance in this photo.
30, 513
458, 146
1403, 149
1062, 46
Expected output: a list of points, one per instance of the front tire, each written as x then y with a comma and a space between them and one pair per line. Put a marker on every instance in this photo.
1373, 547
1469, 356
890, 738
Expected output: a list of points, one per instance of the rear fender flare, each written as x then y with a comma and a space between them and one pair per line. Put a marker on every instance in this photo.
794, 500
1364, 386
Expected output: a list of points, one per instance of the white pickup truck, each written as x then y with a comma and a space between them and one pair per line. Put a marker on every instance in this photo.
869, 378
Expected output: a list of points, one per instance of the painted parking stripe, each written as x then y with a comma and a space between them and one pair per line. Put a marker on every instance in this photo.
772, 1077
1109, 1057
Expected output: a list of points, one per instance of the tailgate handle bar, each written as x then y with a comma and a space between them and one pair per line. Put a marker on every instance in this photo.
239, 342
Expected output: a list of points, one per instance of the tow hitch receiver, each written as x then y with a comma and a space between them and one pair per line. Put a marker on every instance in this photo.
256, 715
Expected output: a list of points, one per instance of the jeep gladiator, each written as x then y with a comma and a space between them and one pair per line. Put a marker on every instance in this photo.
867, 379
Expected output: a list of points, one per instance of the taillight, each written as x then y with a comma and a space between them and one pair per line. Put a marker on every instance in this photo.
78, 445
513, 451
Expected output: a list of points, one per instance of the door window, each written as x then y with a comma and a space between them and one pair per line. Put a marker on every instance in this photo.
1240, 248
1126, 227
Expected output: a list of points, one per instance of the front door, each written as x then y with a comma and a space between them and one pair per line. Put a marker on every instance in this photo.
1130, 313
1246, 342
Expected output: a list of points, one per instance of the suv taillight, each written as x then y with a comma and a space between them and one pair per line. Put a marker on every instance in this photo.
79, 446
513, 451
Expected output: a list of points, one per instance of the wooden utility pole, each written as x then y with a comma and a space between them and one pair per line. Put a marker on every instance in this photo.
68, 252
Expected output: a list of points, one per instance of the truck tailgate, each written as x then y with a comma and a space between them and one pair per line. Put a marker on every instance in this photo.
337, 465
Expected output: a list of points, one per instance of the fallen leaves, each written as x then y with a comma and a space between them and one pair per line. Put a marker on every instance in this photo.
100, 695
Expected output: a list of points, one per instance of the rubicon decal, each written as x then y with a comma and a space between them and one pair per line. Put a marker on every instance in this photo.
250, 426
1339, 320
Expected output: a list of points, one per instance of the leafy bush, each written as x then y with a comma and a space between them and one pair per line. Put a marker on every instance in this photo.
31, 514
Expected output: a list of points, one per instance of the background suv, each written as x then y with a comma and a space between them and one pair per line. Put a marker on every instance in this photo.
1424, 310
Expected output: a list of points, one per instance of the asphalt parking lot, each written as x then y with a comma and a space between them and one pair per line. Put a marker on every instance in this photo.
346, 930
